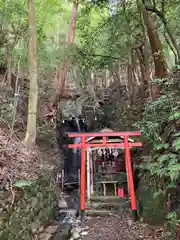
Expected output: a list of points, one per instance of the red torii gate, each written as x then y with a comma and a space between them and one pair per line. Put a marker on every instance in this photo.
127, 145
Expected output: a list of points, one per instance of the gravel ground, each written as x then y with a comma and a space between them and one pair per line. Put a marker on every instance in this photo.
116, 228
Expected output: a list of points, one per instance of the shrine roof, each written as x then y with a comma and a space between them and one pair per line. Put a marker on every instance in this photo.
109, 138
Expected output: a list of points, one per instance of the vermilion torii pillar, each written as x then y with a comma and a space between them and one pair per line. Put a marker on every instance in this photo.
126, 145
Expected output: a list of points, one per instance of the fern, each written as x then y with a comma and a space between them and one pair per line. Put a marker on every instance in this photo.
177, 144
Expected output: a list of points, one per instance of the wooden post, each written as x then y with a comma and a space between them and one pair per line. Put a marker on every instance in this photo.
79, 180
62, 179
130, 178
88, 177
92, 174
83, 177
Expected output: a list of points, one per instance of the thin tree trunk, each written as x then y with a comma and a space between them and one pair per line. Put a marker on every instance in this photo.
129, 66
33, 74
9, 63
174, 43
142, 53
176, 57
130, 76
144, 72
62, 75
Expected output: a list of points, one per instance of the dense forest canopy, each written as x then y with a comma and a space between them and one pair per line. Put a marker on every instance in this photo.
108, 32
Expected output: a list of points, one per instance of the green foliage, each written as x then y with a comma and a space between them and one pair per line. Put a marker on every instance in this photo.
173, 220
177, 144
175, 116
52, 18
22, 184
33, 210
165, 160
160, 124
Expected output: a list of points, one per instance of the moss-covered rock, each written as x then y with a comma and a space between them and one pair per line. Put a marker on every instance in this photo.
34, 209
153, 209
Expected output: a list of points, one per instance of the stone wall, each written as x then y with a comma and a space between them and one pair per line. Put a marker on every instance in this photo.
34, 209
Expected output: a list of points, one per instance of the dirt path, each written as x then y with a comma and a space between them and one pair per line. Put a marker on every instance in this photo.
116, 228
108, 228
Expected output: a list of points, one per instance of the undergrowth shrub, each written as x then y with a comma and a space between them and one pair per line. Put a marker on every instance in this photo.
161, 131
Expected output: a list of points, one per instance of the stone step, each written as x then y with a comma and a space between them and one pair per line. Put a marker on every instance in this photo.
70, 211
104, 205
107, 199
97, 213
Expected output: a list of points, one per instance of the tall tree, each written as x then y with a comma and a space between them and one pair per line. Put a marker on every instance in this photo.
155, 43
160, 64
170, 38
33, 74
62, 75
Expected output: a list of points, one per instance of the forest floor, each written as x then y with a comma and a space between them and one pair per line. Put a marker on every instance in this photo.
112, 227
122, 228
118, 225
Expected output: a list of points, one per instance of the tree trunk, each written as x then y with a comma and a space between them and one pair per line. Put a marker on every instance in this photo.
62, 75
143, 54
161, 68
172, 49
130, 77
9, 63
161, 15
144, 71
33, 74
174, 43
